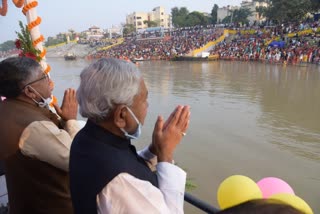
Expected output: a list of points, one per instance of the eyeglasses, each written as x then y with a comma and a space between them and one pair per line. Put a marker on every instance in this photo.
45, 76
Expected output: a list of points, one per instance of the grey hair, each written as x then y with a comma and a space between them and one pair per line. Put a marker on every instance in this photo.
105, 83
15, 73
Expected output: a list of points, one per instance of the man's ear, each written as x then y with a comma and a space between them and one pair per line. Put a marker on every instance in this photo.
29, 93
119, 116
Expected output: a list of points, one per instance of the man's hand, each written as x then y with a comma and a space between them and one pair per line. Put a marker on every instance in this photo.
69, 107
167, 135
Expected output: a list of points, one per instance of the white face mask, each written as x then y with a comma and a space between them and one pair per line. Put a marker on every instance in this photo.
45, 103
137, 133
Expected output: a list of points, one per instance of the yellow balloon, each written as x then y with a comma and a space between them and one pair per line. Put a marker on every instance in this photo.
294, 201
237, 189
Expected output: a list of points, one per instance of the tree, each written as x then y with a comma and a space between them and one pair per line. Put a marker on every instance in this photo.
178, 16
261, 11
8, 45
128, 29
151, 23
196, 18
214, 14
238, 15
53, 41
241, 15
226, 20
72, 34
289, 11
315, 5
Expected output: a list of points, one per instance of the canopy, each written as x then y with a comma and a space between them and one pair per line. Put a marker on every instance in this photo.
277, 44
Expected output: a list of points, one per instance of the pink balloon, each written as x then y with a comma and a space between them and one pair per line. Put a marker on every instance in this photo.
270, 186
2, 98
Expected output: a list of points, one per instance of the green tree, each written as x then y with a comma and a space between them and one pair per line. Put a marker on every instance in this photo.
241, 15
226, 20
261, 11
151, 23
214, 14
196, 18
72, 34
8, 45
53, 41
238, 15
289, 11
128, 29
315, 5
178, 16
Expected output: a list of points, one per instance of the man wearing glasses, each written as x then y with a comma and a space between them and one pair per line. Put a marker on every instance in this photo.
35, 142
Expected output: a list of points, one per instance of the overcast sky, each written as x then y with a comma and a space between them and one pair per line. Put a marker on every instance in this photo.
61, 15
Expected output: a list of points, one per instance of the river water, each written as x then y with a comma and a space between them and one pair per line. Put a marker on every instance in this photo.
252, 119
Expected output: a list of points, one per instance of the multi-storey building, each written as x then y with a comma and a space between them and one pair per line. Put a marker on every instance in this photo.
224, 12
140, 19
252, 5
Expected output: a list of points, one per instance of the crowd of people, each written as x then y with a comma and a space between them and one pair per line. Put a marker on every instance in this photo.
299, 43
165, 45
296, 50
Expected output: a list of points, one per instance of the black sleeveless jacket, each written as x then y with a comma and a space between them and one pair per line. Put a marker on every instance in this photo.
96, 157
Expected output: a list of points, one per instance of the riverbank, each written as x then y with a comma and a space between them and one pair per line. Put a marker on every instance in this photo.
80, 50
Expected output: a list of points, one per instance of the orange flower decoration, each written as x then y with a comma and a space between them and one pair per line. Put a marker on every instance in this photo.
18, 3
4, 8
54, 101
29, 7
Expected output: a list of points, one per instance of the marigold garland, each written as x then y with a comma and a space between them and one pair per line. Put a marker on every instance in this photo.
48, 69
18, 3
34, 23
25, 43
54, 101
43, 53
37, 41
29, 6
4, 8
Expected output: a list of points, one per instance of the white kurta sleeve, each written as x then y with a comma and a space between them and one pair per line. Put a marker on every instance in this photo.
149, 157
72, 127
127, 194
172, 181
44, 141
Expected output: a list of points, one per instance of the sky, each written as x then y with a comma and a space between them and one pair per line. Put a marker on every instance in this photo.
60, 15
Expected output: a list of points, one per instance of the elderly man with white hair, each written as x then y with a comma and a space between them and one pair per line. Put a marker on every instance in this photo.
107, 175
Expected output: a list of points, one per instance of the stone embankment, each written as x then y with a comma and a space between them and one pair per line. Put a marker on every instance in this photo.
80, 50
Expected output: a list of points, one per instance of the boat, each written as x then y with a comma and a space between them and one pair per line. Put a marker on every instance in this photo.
138, 59
70, 56
192, 58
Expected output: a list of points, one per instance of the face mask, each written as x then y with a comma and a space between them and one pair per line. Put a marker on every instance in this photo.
45, 101
137, 132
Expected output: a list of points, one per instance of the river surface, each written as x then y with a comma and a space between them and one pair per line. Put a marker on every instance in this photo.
252, 119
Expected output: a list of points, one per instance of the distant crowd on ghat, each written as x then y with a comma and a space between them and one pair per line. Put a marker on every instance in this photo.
162, 45
291, 43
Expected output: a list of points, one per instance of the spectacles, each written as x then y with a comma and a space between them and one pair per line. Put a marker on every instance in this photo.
45, 76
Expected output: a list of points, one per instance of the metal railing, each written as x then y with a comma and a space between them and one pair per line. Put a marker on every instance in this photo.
204, 206
207, 208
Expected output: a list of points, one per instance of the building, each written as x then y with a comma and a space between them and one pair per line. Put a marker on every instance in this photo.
252, 5
224, 12
157, 15
94, 33
114, 31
